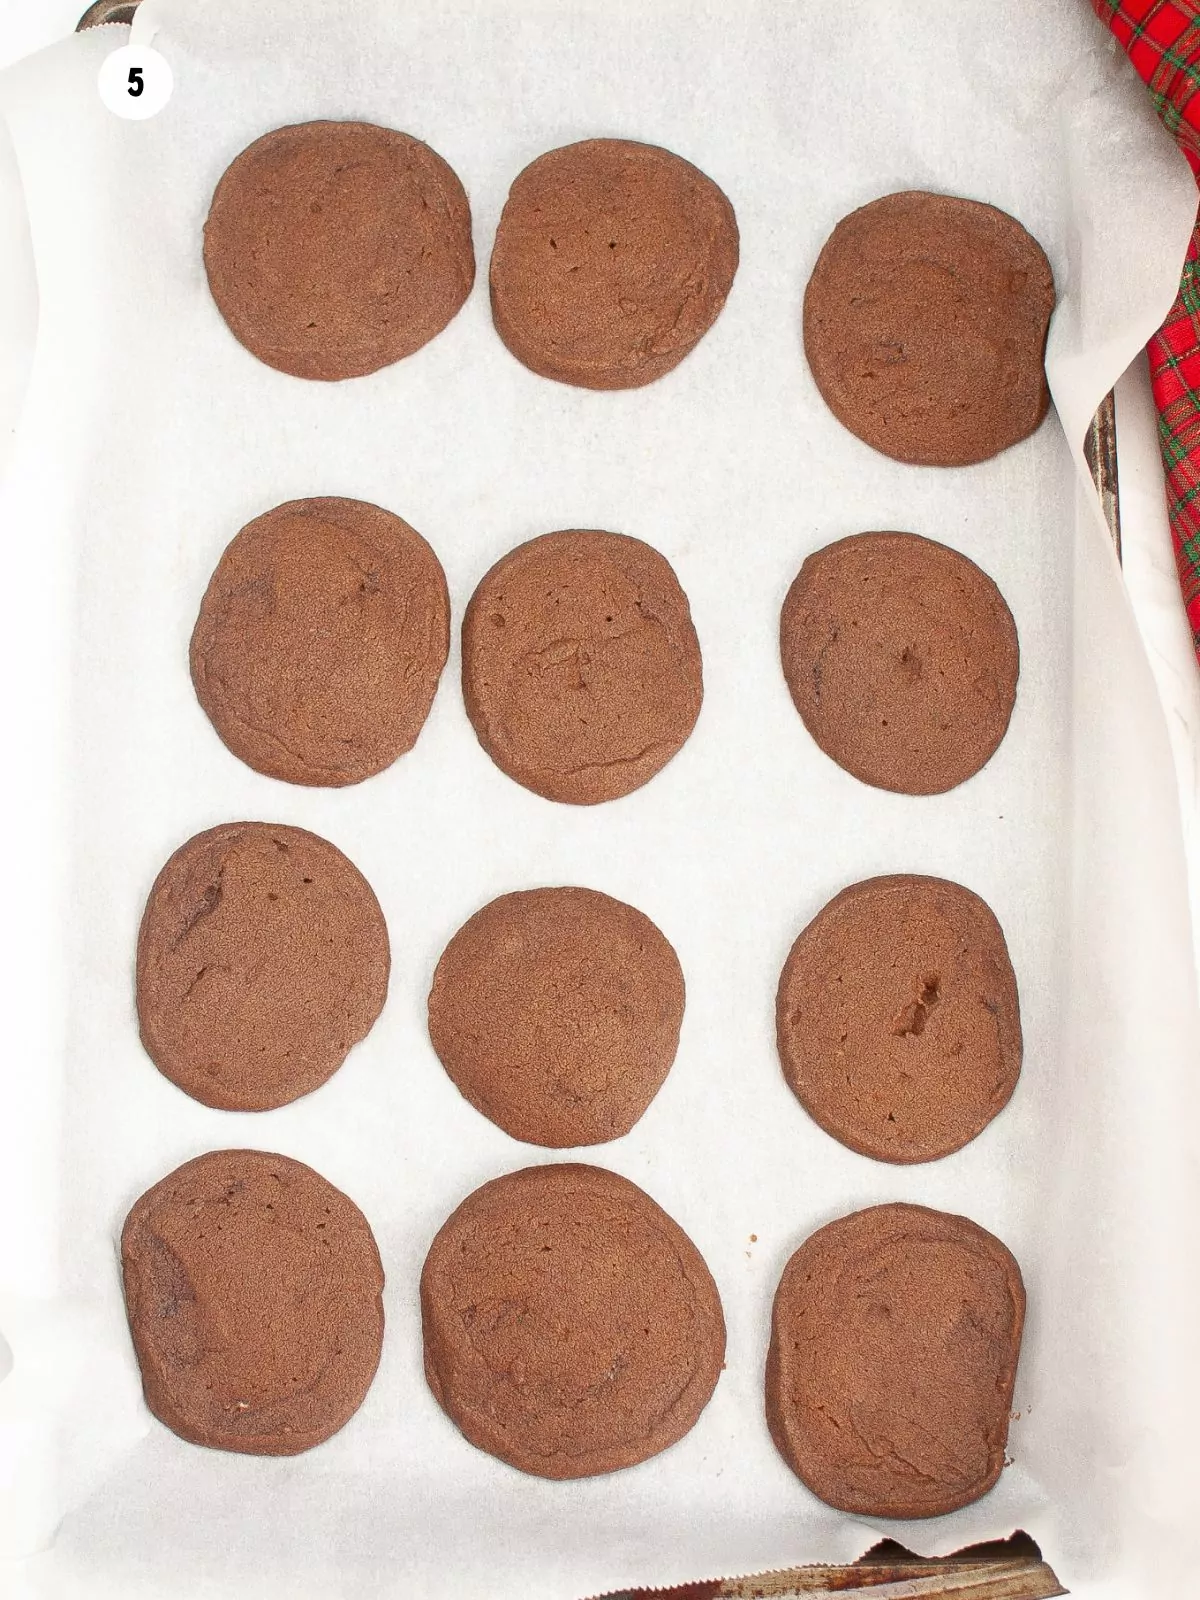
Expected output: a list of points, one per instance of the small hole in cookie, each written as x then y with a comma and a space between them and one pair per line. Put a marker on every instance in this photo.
913, 1018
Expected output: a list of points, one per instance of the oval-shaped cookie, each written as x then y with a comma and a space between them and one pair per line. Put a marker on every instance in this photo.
902, 658
262, 960
612, 261
581, 667
925, 324
570, 1326
321, 640
894, 1343
556, 1012
335, 248
252, 1288
897, 1018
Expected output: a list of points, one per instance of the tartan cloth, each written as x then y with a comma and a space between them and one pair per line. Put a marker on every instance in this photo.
1162, 39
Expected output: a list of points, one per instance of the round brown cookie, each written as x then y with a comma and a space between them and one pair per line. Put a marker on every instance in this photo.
556, 1012
571, 1327
897, 1018
894, 1344
262, 959
320, 641
581, 668
253, 1290
612, 260
335, 248
925, 328
901, 656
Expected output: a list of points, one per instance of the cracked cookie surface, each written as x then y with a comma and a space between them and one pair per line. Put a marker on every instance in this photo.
897, 1018
581, 667
320, 641
252, 1288
262, 959
612, 261
925, 325
556, 1012
902, 658
570, 1325
335, 248
895, 1336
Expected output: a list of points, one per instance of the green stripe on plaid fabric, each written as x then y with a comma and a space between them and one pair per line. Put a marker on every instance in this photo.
1189, 290
1162, 40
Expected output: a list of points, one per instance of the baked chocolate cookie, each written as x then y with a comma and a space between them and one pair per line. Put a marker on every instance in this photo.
902, 658
335, 248
925, 325
320, 641
261, 961
612, 260
571, 1327
897, 1018
252, 1288
581, 668
556, 1012
894, 1345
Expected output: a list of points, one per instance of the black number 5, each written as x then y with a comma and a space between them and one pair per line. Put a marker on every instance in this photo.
136, 86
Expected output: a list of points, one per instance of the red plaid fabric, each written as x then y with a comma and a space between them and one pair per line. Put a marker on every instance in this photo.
1162, 39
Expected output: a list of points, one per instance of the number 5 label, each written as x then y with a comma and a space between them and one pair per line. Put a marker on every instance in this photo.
135, 82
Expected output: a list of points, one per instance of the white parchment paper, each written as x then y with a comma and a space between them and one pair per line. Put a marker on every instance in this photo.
149, 437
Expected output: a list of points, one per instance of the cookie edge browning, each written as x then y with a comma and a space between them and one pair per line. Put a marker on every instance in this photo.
443, 1045
498, 751
229, 728
1012, 1058
777, 1422
821, 371
146, 1031
605, 380
460, 231
691, 1404
154, 1390
795, 671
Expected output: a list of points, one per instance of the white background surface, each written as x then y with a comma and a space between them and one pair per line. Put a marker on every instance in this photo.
25, 28
150, 437
1153, 585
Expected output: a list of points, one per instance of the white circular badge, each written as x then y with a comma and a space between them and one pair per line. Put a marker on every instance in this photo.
135, 82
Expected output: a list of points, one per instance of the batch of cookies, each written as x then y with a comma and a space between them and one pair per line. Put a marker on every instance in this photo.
570, 1326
